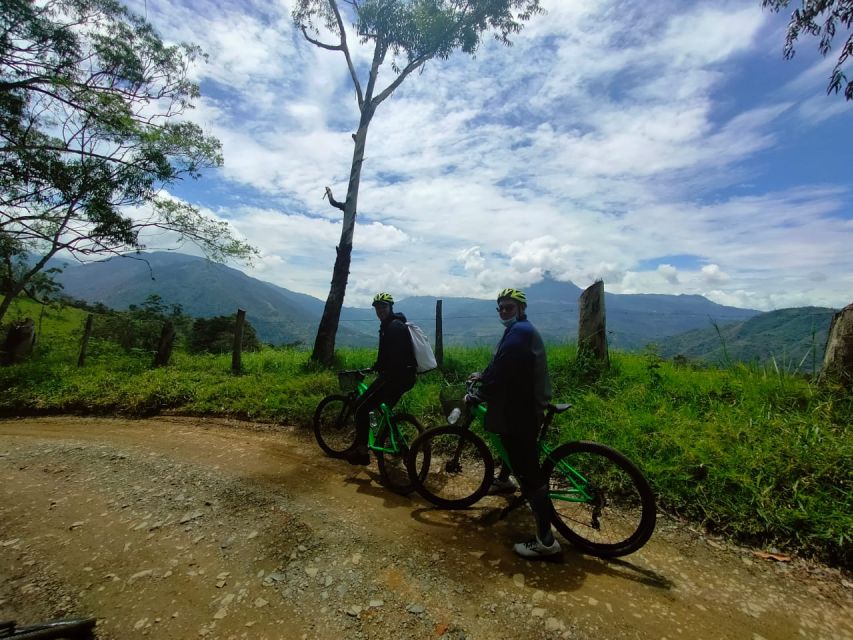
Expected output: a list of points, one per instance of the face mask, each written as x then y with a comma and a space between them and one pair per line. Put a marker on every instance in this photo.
509, 322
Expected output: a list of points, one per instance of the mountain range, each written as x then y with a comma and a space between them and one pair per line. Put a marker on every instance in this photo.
282, 316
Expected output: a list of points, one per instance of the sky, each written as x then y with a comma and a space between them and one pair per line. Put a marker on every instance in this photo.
663, 146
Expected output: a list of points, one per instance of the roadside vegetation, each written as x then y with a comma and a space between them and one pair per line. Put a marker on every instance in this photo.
755, 454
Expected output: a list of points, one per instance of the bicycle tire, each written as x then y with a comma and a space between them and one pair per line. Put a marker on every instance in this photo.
450, 467
334, 425
392, 467
620, 515
71, 629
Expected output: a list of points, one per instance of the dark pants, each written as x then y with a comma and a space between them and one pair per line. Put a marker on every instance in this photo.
384, 389
523, 453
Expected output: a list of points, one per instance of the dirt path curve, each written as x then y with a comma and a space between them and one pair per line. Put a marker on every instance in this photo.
188, 528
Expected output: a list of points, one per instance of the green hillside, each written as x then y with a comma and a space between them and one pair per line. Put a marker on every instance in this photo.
791, 339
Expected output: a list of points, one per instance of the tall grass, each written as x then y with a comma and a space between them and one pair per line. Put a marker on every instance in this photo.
757, 454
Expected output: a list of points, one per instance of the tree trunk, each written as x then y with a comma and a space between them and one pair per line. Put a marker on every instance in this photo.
5, 304
439, 335
238, 341
15, 288
19, 341
838, 357
592, 326
324, 343
164, 348
84, 343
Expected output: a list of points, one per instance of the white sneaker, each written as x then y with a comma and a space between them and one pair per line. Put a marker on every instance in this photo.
535, 549
503, 486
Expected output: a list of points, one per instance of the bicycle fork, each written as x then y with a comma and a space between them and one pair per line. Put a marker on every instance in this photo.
579, 490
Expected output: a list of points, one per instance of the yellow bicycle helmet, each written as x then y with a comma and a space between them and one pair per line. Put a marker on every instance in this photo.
383, 298
515, 294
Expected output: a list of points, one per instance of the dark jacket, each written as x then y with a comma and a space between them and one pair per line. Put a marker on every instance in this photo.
516, 384
396, 356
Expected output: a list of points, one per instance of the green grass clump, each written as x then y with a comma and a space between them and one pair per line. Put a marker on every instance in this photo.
759, 455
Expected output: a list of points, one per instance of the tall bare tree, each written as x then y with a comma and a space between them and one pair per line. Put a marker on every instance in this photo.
821, 18
407, 34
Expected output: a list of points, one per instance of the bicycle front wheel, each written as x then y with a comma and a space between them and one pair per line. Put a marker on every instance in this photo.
602, 502
451, 467
334, 425
392, 461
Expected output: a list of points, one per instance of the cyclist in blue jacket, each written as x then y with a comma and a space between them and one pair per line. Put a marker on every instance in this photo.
397, 368
517, 387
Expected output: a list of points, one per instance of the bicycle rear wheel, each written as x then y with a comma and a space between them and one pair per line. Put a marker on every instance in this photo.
334, 425
451, 467
72, 629
392, 466
602, 502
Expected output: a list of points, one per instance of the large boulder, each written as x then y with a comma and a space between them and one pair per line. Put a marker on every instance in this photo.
838, 358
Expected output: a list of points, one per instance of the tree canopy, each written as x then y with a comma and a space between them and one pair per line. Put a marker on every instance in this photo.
91, 130
822, 19
412, 32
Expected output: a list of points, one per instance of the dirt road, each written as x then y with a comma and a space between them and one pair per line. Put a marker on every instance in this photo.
188, 528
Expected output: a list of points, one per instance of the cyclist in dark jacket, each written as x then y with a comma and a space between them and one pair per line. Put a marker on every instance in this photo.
517, 388
396, 366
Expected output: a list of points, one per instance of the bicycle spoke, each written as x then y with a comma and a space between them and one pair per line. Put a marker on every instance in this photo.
334, 425
393, 448
453, 467
601, 502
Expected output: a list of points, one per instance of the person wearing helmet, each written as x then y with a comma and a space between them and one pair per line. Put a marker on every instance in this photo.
517, 387
397, 368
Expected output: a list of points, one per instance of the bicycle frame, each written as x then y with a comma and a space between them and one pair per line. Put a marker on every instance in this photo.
384, 417
579, 484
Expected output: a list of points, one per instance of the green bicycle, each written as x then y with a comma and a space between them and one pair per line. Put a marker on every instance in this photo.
390, 433
601, 501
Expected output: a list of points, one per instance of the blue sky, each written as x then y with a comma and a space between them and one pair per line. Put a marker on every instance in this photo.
665, 146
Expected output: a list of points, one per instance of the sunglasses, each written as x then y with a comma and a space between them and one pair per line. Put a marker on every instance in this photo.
502, 308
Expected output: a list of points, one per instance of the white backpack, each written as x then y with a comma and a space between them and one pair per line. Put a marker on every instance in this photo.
423, 351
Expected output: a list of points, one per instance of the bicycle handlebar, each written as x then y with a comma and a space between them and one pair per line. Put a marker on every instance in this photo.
550, 410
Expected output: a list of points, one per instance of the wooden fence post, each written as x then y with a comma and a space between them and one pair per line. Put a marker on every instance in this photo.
838, 357
164, 347
238, 341
84, 343
592, 326
439, 336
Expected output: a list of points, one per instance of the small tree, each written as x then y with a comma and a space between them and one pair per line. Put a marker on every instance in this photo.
408, 33
216, 335
90, 100
821, 18
140, 327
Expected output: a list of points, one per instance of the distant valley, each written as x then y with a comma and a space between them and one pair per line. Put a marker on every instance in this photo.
677, 323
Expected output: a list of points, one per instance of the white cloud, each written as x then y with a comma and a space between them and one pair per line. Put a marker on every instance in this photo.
712, 274
612, 133
668, 273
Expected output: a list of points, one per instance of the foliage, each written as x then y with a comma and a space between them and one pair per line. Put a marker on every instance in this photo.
216, 335
821, 18
139, 328
753, 454
90, 106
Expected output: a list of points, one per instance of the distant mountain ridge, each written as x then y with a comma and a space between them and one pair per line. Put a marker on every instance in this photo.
281, 316
793, 339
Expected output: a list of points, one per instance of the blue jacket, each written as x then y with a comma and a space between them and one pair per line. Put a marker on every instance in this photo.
516, 384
